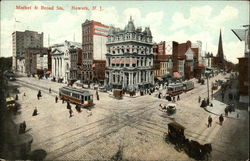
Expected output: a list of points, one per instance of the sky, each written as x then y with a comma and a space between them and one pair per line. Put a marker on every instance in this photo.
168, 21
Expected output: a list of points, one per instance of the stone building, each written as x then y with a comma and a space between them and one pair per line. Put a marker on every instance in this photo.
60, 57
94, 38
36, 61
20, 42
129, 61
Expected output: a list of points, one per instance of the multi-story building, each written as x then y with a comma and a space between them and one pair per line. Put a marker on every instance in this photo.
75, 62
60, 56
129, 58
186, 58
244, 72
36, 60
94, 38
162, 63
20, 42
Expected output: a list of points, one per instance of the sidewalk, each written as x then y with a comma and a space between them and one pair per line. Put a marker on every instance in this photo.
219, 107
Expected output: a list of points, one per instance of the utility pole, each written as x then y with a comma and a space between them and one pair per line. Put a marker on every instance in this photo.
207, 75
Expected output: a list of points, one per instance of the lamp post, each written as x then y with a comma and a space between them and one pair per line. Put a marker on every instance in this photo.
207, 76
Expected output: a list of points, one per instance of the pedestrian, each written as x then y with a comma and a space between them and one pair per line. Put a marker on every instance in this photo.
62, 101
24, 126
209, 121
24, 94
226, 111
199, 99
49, 90
56, 99
221, 119
78, 109
178, 97
159, 95
38, 96
34, 112
174, 99
16, 97
21, 128
70, 112
68, 105
40, 93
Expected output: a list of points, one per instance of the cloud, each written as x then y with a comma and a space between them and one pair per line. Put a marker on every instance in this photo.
200, 24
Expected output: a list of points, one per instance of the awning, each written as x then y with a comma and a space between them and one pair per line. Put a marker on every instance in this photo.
159, 78
176, 75
48, 72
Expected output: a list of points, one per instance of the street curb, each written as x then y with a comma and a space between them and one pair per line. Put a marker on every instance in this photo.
219, 114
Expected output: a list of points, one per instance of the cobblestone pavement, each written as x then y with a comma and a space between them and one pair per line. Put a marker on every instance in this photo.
135, 124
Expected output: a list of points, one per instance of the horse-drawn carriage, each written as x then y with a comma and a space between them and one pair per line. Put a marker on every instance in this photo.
192, 148
170, 108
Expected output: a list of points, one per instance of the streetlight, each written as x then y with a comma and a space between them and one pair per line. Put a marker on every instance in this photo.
207, 76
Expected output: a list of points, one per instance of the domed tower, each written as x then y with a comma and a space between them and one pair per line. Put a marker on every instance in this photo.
130, 26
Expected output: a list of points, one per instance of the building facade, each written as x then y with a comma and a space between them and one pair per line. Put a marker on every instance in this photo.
75, 58
129, 58
243, 67
60, 57
162, 63
20, 42
94, 38
36, 61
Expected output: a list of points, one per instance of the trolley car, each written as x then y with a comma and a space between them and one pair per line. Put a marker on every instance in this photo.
187, 86
175, 89
76, 96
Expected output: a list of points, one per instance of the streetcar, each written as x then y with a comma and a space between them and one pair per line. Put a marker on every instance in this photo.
188, 85
175, 89
77, 96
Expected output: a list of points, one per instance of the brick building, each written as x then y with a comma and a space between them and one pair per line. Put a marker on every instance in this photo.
94, 38
162, 63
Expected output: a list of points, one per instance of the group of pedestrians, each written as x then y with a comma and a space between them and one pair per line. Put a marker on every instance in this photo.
210, 120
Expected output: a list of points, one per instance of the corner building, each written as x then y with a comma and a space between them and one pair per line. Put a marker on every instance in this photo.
129, 58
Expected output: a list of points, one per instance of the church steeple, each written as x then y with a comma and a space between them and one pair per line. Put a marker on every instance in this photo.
220, 53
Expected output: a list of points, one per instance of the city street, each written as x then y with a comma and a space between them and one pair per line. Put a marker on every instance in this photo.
134, 126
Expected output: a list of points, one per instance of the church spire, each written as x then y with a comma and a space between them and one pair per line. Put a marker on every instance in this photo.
220, 53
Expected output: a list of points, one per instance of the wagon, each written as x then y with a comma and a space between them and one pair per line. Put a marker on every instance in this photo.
192, 148
118, 93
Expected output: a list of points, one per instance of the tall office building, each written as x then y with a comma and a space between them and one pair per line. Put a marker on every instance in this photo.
94, 38
20, 42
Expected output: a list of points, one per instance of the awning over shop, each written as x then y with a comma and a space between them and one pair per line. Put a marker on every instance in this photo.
176, 75
159, 78
48, 72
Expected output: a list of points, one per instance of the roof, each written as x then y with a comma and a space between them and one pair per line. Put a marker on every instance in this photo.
176, 125
76, 90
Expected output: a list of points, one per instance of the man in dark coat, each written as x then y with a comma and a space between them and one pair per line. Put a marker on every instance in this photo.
221, 119
209, 121
56, 99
